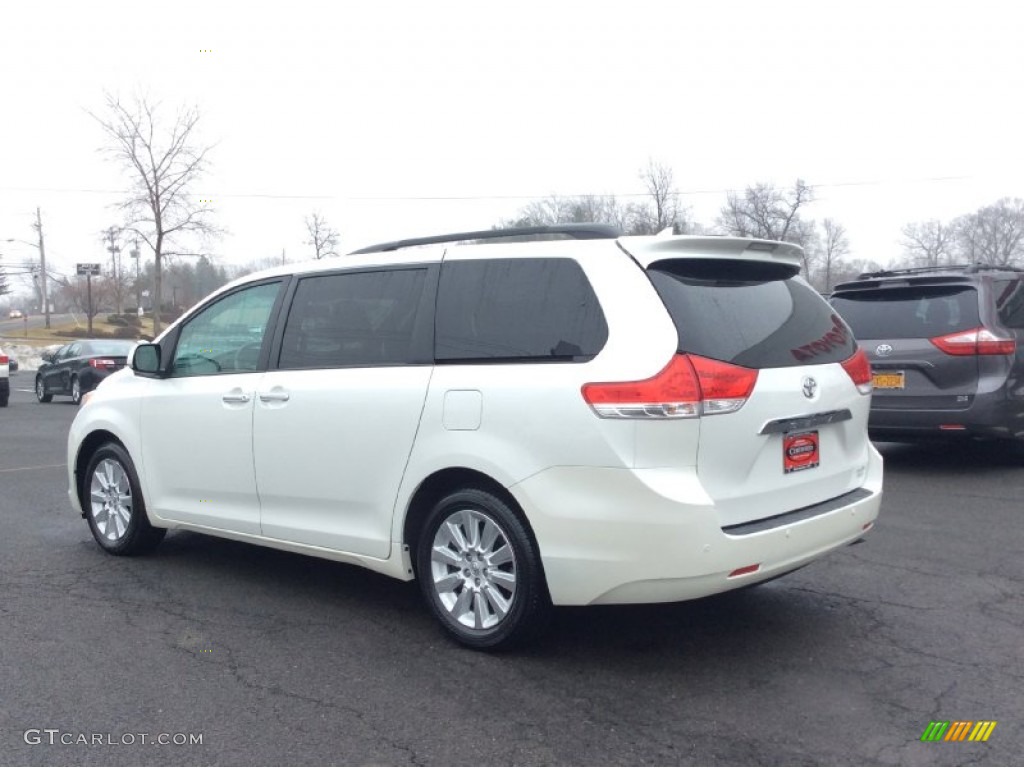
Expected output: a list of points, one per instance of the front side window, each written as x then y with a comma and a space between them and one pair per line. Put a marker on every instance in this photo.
354, 319
226, 337
517, 310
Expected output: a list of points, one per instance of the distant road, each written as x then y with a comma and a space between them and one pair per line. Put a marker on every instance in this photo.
13, 329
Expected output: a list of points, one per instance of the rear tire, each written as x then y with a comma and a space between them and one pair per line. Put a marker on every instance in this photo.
76, 391
114, 505
480, 571
41, 395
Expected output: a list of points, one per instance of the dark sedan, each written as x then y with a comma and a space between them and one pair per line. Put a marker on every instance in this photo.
79, 367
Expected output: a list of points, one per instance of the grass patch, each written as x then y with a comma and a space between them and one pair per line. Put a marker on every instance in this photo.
67, 332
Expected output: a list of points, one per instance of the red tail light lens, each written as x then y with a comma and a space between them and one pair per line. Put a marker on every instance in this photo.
687, 387
101, 363
4, 359
859, 369
978, 341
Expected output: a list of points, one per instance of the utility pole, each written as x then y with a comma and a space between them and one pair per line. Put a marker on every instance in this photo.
42, 264
115, 268
134, 253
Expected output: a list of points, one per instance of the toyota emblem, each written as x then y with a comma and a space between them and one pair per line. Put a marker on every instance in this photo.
883, 350
810, 387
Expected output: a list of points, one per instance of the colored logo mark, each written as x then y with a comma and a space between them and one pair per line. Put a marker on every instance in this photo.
959, 730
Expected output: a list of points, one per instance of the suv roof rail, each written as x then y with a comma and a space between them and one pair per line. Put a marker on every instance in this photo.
965, 268
574, 231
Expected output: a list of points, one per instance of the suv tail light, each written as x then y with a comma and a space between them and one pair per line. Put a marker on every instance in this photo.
4, 359
102, 363
979, 341
688, 387
859, 370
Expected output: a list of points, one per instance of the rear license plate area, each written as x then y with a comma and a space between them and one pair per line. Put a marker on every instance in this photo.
888, 379
800, 451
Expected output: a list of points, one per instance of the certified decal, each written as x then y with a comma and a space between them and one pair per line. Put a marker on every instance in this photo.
800, 451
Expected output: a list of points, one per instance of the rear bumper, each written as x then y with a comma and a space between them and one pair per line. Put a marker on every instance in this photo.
989, 415
609, 535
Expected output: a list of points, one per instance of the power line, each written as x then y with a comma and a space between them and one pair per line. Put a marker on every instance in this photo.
465, 198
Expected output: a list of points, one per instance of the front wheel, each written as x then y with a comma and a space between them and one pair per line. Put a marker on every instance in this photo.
480, 571
41, 395
114, 506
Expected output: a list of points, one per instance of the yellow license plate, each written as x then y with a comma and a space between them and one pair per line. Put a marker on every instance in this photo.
888, 380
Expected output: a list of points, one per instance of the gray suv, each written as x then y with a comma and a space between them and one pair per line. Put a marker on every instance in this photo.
945, 350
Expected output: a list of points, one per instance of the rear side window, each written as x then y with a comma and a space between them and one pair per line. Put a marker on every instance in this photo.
535, 310
756, 317
917, 312
1010, 302
354, 319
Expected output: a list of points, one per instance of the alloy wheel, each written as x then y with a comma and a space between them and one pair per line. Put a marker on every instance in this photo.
110, 500
473, 569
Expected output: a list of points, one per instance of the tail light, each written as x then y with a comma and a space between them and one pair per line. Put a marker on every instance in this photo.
4, 359
979, 341
688, 387
102, 363
859, 370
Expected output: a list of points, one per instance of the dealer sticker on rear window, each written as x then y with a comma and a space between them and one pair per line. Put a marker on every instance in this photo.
800, 451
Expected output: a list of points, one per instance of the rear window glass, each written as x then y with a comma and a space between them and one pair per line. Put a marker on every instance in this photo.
115, 348
532, 310
749, 320
918, 312
1010, 302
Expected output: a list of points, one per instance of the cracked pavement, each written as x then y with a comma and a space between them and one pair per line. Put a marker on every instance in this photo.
287, 660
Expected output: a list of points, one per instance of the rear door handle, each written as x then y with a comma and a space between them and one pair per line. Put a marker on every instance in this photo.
275, 396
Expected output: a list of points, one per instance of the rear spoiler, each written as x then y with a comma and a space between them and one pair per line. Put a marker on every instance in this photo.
647, 250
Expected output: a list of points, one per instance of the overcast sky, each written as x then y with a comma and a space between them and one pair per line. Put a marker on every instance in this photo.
394, 119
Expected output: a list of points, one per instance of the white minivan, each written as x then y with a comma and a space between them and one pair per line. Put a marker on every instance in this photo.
588, 420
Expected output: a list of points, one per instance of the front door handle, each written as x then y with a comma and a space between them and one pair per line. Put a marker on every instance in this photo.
235, 397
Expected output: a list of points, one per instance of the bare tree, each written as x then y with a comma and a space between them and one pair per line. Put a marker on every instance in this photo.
322, 237
163, 160
765, 211
555, 209
662, 209
928, 243
993, 234
835, 246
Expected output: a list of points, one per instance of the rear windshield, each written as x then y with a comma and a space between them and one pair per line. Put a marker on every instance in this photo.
756, 318
920, 312
115, 348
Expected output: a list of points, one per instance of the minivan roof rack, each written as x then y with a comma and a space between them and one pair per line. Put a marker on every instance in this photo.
965, 268
574, 231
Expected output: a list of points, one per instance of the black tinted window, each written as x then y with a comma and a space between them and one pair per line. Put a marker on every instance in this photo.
751, 319
918, 312
354, 319
1010, 302
517, 309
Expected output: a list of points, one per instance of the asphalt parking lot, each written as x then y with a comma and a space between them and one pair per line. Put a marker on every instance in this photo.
273, 658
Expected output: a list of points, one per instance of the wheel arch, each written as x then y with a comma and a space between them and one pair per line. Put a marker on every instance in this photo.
85, 451
444, 481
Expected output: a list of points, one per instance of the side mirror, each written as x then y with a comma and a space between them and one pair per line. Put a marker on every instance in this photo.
146, 359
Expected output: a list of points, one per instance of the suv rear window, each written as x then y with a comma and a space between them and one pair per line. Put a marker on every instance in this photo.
535, 310
918, 312
759, 317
